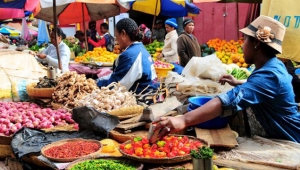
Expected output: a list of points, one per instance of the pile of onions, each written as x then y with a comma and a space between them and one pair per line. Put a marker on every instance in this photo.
15, 115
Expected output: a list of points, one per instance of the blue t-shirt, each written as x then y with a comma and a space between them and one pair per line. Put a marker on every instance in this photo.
269, 93
133, 69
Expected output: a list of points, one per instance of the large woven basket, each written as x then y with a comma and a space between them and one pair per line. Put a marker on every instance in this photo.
39, 92
138, 165
61, 142
176, 159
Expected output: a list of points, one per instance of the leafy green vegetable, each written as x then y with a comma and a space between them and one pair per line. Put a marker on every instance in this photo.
204, 152
101, 164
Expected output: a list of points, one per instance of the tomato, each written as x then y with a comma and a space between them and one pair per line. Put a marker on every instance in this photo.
146, 152
166, 149
180, 152
146, 146
154, 146
197, 144
128, 146
145, 140
186, 149
138, 144
129, 151
138, 151
171, 154
122, 146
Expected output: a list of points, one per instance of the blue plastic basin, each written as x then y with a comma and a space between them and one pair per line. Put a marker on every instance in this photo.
215, 123
198, 101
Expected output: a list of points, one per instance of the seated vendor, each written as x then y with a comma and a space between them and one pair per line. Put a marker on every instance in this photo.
268, 91
49, 55
134, 67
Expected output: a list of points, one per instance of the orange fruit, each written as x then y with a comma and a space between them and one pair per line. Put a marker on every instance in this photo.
242, 60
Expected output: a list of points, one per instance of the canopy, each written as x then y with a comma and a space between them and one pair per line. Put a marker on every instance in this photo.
166, 8
223, 1
17, 8
7, 31
18, 26
75, 11
288, 13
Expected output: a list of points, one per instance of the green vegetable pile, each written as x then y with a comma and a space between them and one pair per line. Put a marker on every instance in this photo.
75, 47
204, 152
236, 71
102, 164
37, 48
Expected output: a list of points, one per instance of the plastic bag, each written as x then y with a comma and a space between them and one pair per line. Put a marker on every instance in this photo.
29, 140
89, 118
209, 67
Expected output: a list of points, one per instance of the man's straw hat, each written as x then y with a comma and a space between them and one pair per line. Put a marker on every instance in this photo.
267, 30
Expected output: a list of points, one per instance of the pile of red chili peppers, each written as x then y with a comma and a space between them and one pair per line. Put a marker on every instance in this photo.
72, 149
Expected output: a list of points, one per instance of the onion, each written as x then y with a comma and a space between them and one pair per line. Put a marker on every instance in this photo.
13, 129
51, 119
76, 126
18, 125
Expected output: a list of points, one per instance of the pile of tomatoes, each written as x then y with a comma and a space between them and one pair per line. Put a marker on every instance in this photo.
168, 147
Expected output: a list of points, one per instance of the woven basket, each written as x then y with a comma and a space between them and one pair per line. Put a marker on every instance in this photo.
176, 159
138, 165
56, 106
121, 138
5, 151
5, 140
39, 92
61, 142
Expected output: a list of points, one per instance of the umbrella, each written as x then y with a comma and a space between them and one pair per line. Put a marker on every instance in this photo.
7, 31
165, 8
18, 27
17, 8
76, 11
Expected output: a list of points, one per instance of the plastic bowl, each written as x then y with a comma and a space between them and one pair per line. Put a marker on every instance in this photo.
215, 123
198, 101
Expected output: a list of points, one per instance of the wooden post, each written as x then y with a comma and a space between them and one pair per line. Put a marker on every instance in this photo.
55, 33
153, 22
84, 29
238, 19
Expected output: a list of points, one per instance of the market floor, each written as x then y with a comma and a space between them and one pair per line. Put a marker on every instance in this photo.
2, 166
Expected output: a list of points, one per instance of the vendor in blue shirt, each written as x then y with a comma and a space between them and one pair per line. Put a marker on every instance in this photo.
268, 90
134, 67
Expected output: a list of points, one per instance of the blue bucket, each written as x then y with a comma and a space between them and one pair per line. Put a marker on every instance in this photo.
215, 123
198, 101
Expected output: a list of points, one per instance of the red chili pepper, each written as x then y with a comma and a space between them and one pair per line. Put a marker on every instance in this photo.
72, 149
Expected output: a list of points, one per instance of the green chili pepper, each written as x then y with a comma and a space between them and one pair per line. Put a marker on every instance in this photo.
138, 138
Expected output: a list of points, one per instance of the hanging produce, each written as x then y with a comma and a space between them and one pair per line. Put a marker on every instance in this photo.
15, 115
72, 86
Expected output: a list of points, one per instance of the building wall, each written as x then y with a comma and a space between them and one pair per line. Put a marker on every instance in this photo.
219, 20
